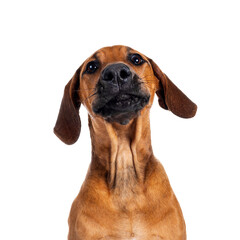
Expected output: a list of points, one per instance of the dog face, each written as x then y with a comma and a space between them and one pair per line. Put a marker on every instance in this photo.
117, 84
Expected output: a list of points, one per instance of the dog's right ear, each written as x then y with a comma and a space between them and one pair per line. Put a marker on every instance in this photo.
170, 97
68, 125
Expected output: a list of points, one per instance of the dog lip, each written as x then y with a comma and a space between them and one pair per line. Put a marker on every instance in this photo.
122, 102
126, 96
123, 96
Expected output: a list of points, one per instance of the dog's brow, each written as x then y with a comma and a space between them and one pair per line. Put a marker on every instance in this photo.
129, 49
95, 55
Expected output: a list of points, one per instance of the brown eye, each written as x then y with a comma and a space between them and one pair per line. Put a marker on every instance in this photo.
136, 59
92, 67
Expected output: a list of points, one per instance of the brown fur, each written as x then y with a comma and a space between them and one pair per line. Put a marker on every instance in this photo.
126, 193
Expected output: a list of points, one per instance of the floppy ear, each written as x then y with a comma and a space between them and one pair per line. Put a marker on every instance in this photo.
68, 125
170, 97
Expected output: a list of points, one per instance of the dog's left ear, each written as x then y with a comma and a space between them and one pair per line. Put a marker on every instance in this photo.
170, 97
68, 125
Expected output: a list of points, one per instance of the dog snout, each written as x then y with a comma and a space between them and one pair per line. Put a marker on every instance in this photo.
116, 74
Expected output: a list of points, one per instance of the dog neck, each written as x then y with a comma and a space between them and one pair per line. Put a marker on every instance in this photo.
123, 151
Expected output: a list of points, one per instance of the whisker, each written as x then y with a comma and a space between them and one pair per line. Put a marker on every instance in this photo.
149, 80
89, 97
84, 89
147, 85
92, 92
145, 76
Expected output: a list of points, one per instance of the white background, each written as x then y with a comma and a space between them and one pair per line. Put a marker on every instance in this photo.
196, 43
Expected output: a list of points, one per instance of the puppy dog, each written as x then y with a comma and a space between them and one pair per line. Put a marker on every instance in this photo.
126, 193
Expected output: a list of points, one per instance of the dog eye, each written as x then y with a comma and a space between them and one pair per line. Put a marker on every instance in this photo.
136, 59
91, 67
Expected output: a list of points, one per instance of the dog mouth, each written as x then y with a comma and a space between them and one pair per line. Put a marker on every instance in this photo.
121, 104
125, 101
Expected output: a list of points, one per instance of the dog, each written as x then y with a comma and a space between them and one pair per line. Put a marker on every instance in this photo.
126, 193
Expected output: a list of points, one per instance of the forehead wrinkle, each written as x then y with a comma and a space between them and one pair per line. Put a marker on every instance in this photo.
100, 56
92, 58
129, 49
120, 48
119, 53
95, 55
112, 54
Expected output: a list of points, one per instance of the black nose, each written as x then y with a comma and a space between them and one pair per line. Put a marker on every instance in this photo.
117, 73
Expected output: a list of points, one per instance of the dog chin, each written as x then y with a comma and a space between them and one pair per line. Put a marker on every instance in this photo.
122, 108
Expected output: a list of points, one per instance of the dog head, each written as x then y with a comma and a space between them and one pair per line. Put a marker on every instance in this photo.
117, 84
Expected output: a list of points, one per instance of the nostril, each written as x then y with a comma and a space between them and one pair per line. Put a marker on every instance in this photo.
124, 74
108, 76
